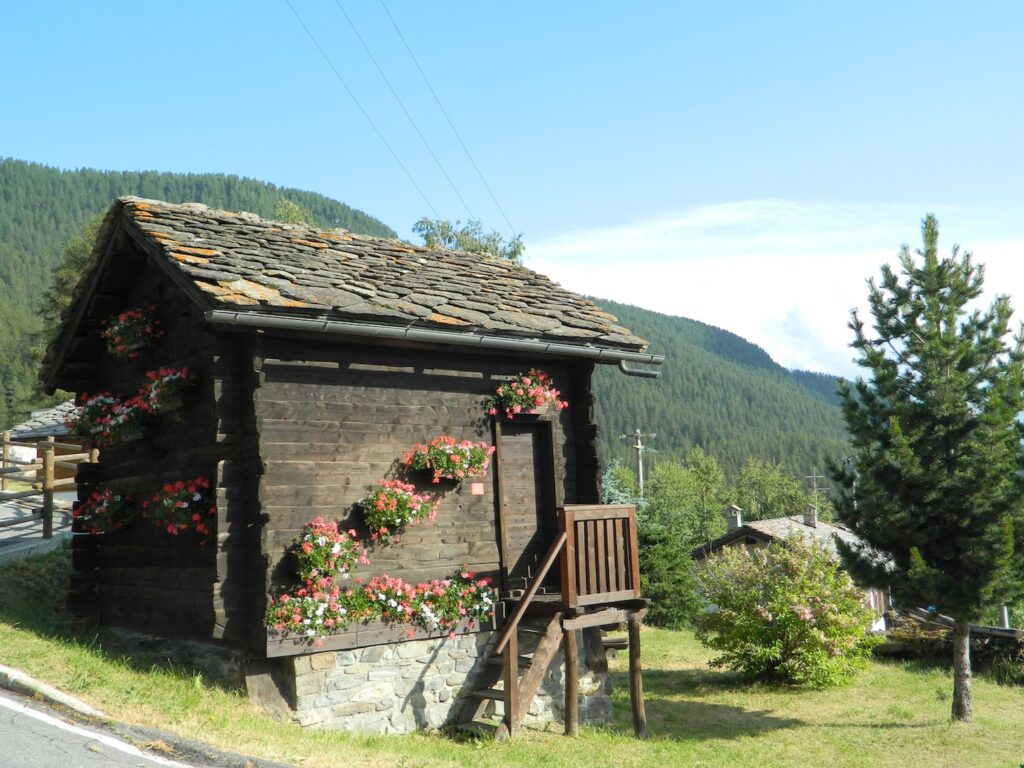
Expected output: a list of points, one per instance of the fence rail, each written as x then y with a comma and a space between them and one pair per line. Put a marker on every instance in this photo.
39, 472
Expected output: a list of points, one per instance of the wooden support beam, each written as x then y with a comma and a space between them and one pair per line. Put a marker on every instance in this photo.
636, 683
572, 684
543, 654
606, 616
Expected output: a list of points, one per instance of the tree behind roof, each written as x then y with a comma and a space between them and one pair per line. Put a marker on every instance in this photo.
936, 477
439, 233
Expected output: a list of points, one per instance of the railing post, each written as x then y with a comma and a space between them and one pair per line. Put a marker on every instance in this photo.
5, 459
572, 684
511, 675
49, 454
567, 523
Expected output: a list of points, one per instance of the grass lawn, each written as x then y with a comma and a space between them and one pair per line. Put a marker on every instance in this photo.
892, 714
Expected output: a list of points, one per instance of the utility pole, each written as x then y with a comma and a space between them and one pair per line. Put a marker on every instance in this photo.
638, 445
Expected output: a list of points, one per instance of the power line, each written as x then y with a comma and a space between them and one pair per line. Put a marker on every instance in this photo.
406, 111
365, 113
512, 230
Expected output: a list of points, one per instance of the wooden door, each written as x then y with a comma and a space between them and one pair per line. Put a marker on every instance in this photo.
527, 515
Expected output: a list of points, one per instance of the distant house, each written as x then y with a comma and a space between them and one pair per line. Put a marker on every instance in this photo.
42, 424
45, 422
320, 358
760, 533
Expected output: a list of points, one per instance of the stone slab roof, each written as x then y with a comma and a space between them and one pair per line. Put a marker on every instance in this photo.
44, 423
241, 262
778, 528
824, 532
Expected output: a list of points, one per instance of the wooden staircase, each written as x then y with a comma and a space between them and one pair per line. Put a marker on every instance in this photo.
600, 585
530, 668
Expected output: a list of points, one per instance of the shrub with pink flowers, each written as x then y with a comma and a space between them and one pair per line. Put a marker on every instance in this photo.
127, 332
163, 388
181, 506
392, 505
105, 420
525, 393
103, 510
787, 612
448, 459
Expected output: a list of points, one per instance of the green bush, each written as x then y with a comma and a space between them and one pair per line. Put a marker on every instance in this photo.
667, 580
785, 613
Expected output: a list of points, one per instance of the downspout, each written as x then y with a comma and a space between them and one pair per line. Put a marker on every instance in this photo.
427, 335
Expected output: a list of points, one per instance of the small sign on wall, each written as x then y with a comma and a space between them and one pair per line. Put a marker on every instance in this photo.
477, 489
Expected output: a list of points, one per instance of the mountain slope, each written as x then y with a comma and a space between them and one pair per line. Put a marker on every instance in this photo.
720, 392
717, 390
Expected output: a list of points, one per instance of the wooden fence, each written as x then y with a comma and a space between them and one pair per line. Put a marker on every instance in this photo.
42, 474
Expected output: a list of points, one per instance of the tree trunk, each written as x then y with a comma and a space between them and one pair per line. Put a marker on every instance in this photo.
963, 700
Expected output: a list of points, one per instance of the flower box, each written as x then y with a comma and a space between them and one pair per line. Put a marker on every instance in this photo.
447, 459
130, 331
525, 394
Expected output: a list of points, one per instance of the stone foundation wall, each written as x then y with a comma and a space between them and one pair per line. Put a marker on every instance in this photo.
416, 685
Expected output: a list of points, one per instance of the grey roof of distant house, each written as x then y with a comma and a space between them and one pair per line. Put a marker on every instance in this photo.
45, 423
781, 527
241, 262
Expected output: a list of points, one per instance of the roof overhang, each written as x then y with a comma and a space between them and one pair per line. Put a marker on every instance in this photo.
268, 321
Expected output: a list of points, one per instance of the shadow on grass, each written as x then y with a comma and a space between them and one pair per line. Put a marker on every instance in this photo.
675, 710
32, 598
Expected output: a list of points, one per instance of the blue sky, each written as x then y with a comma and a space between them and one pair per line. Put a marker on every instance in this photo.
748, 165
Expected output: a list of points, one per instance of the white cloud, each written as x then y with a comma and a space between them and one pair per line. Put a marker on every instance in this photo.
782, 274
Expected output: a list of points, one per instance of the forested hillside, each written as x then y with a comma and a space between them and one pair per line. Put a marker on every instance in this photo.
721, 393
717, 391
41, 208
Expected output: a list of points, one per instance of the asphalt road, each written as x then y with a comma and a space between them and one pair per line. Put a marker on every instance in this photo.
31, 736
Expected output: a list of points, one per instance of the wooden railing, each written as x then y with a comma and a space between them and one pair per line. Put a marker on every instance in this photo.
508, 644
39, 473
597, 551
601, 564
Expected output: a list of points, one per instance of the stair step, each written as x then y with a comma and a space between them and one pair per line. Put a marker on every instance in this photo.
492, 694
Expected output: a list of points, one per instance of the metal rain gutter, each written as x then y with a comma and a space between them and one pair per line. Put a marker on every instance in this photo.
427, 335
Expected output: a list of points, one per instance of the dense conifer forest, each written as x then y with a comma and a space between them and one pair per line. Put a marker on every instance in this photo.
717, 391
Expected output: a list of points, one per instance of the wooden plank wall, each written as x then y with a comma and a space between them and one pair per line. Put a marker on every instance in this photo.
142, 578
333, 420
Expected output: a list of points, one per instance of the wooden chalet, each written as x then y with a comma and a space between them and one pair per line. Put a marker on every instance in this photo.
321, 357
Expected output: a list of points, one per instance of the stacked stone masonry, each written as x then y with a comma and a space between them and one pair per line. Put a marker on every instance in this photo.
421, 685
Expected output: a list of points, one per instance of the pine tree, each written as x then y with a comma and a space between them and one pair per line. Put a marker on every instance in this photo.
936, 478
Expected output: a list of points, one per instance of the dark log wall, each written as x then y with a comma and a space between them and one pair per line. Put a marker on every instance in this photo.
143, 578
334, 419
